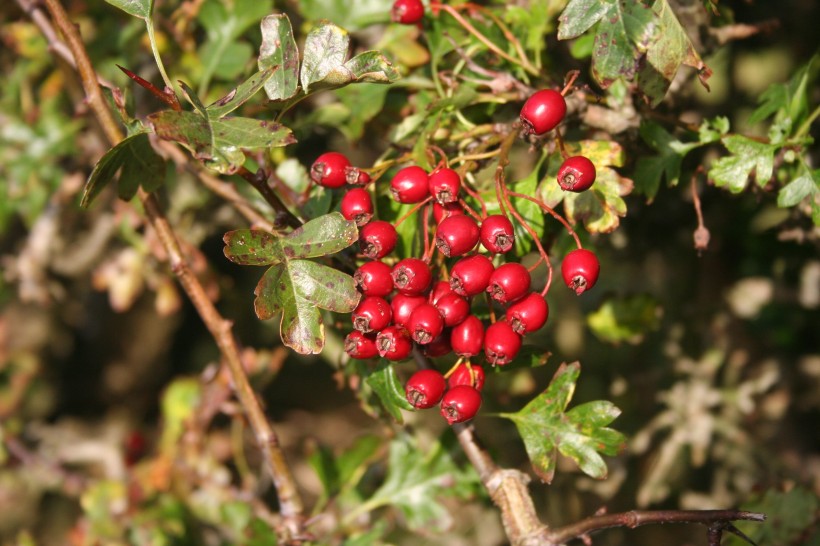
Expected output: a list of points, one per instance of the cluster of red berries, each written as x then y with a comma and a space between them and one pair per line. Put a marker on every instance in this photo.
403, 305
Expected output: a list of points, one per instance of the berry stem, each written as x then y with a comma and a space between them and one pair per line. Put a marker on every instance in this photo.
546, 208
469, 210
412, 210
572, 75
561, 146
474, 194
454, 367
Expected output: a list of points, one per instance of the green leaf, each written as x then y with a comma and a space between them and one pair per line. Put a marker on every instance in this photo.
579, 16
325, 51
650, 171
798, 189
138, 8
135, 161
416, 480
749, 157
528, 210
373, 67
366, 12
387, 386
219, 142
791, 518
336, 473
279, 52
580, 433
625, 319
240, 95
319, 237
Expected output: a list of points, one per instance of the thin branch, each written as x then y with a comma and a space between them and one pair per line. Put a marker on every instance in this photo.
259, 181
289, 500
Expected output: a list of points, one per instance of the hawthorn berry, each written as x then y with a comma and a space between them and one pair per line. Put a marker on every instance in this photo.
471, 275
407, 12
439, 346
577, 173
453, 308
457, 235
356, 205
373, 279
580, 270
440, 212
394, 343
439, 289
509, 282
543, 111
362, 178
403, 305
501, 344
528, 314
412, 276
497, 234
425, 323
360, 345
467, 338
460, 403
467, 374
425, 388
377, 239
372, 314
409, 185
329, 170
444, 185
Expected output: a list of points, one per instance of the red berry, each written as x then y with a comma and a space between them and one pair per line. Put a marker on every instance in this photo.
509, 282
362, 178
425, 388
425, 323
329, 170
457, 235
577, 173
409, 185
543, 111
467, 374
372, 314
377, 239
471, 275
356, 205
394, 343
467, 338
501, 344
360, 345
460, 403
439, 346
407, 12
403, 305
439, 289
453, 308
373, 279
444, 185
497, 234
412, 276
528, 314
580, 270
440, 212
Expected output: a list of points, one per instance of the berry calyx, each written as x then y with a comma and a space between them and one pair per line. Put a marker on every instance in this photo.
457, 235
403, 306
394, 343
501, 344
425, 388
360, 345
425, 323
372, 314
411, 276
467, 374
497, 234
407, 12
528, 314
373, 279
409, 185
467, 338
453, 308
329, 170
509, 282
580, 270
543, 111
460, 403
577, 173
377, 239
471, 275
356, 205
440, 212
444, 185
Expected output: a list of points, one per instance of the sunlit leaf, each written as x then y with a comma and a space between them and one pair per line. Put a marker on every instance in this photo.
240, 94
387, 386
138, 8
580, 433
325, 51
748, 158
626, 319
373, 67
798, 189
279, 51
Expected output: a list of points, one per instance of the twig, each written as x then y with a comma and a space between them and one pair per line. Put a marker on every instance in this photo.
289, 500
259, 181
701, 235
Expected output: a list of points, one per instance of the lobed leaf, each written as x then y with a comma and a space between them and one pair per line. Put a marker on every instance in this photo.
749, 158
388, 387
